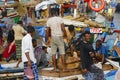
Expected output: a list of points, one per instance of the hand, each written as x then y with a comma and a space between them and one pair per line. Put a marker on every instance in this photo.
29, 64
48, 41
84, 71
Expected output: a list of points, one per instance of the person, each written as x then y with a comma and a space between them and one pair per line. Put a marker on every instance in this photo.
7, 20
87, 54
37, 50
101, 51
28, 57
55, 26
43, 60
19, 34
70, 35
10, 51
78, 38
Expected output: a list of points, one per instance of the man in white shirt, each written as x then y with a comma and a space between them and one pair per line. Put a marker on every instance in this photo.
28, 57
56, 25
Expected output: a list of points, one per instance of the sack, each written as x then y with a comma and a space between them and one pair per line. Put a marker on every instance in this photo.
29, 73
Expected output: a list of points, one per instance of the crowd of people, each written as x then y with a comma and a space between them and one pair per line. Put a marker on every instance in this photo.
17, 42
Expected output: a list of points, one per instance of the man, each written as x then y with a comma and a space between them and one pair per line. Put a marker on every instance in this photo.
19, 34
101, 51
55, 27
43, 58
28, 57
89, 70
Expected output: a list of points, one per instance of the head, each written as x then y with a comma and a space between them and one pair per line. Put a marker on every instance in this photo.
44, 49
20, 23
98, 43
71, 28
30, 30
82, 30
87, 36
34, 42
53, 12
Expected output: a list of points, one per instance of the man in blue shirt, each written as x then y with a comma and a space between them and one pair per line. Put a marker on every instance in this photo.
101, 51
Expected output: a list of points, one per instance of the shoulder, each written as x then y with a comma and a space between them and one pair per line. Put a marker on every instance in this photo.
81, 44
27, 36
49, 20
60, 18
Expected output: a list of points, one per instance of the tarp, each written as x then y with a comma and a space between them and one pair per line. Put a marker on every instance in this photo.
110, 75
41, 30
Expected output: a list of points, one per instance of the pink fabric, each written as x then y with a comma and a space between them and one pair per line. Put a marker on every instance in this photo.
29, 73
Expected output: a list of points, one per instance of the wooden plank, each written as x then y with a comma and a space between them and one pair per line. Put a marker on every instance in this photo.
69, 73
59, 73
49, 73
73, 78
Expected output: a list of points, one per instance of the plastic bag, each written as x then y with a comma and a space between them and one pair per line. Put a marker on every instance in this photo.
29, 73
